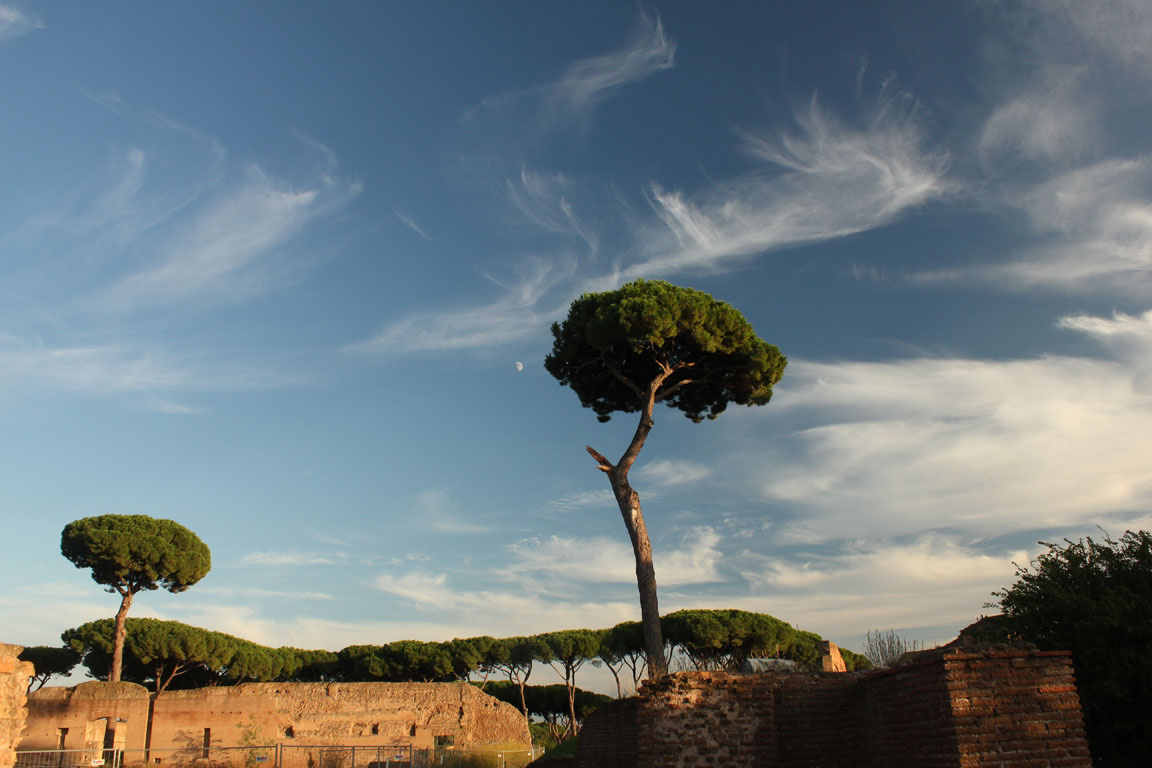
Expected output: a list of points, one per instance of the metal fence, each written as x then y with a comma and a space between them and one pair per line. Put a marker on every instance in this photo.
67, 758
188, 757
327, 756
278, 756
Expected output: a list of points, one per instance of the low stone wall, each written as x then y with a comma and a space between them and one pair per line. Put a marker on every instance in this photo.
950, 709
14, 676
348, 714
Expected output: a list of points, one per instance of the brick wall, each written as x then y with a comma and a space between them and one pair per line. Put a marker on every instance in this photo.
1016, 711
14, 676
907, 719
948, 709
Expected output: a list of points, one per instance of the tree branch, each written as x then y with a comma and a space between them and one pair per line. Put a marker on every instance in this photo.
620, 376
682, 383
605, 465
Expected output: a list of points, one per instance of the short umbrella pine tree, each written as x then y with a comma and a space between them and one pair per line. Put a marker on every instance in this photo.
131, 553
652, 342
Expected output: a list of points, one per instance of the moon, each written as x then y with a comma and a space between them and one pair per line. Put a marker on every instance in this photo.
519, 366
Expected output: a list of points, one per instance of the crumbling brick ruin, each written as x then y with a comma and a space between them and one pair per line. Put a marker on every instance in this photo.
99, 715
14, 675
954, 708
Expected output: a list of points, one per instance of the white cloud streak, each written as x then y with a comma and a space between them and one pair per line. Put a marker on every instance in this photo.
545, 202
832, 180
437, 511
1050, 150
1093, 229
30, 364
673, 473
588, 81
497, 612
1120, 30
826, 180
604, 560
513, 316
600, 498
1052, 121
407, 221
14, 23
905, 446
229, 249
292, 559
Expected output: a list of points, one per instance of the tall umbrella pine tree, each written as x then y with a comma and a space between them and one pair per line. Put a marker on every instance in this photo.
652, 342
132, 553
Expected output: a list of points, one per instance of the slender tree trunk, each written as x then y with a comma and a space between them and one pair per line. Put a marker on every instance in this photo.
570, 681
521, 682
118, 636
629, 502
616, 676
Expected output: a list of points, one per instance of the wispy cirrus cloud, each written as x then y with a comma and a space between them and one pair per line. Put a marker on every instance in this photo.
827, 179
671, 473
256, 592
930, 582
1093, 228
1130, 336
885, 568
178, 224
1053, 120
589, 81
513, 316
14, 23
599, 498
439, 512
547, 202
1120, 30
601, 559
996, 446
1056, 148
293, 558
409, 222
29, 363
498, 612
230, 248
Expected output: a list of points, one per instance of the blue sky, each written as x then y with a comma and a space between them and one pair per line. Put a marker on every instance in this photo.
267, 269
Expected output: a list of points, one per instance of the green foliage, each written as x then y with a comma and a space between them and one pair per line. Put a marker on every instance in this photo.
401, 661
136, 552
1094, 598
855, 661
571, 648
566, 749
48, 661
169, 654
613, 344
550, 704
725, 638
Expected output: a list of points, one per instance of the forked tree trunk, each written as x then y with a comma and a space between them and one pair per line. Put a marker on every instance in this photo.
629, 502
118, 636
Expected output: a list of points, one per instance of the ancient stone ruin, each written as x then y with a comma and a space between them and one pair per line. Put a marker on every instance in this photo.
99, 715
14, 675
953, 708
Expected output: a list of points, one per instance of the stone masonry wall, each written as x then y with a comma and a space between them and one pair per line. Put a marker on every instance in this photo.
349, 714
948, 709
14, 676
1016, 711
908, 718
